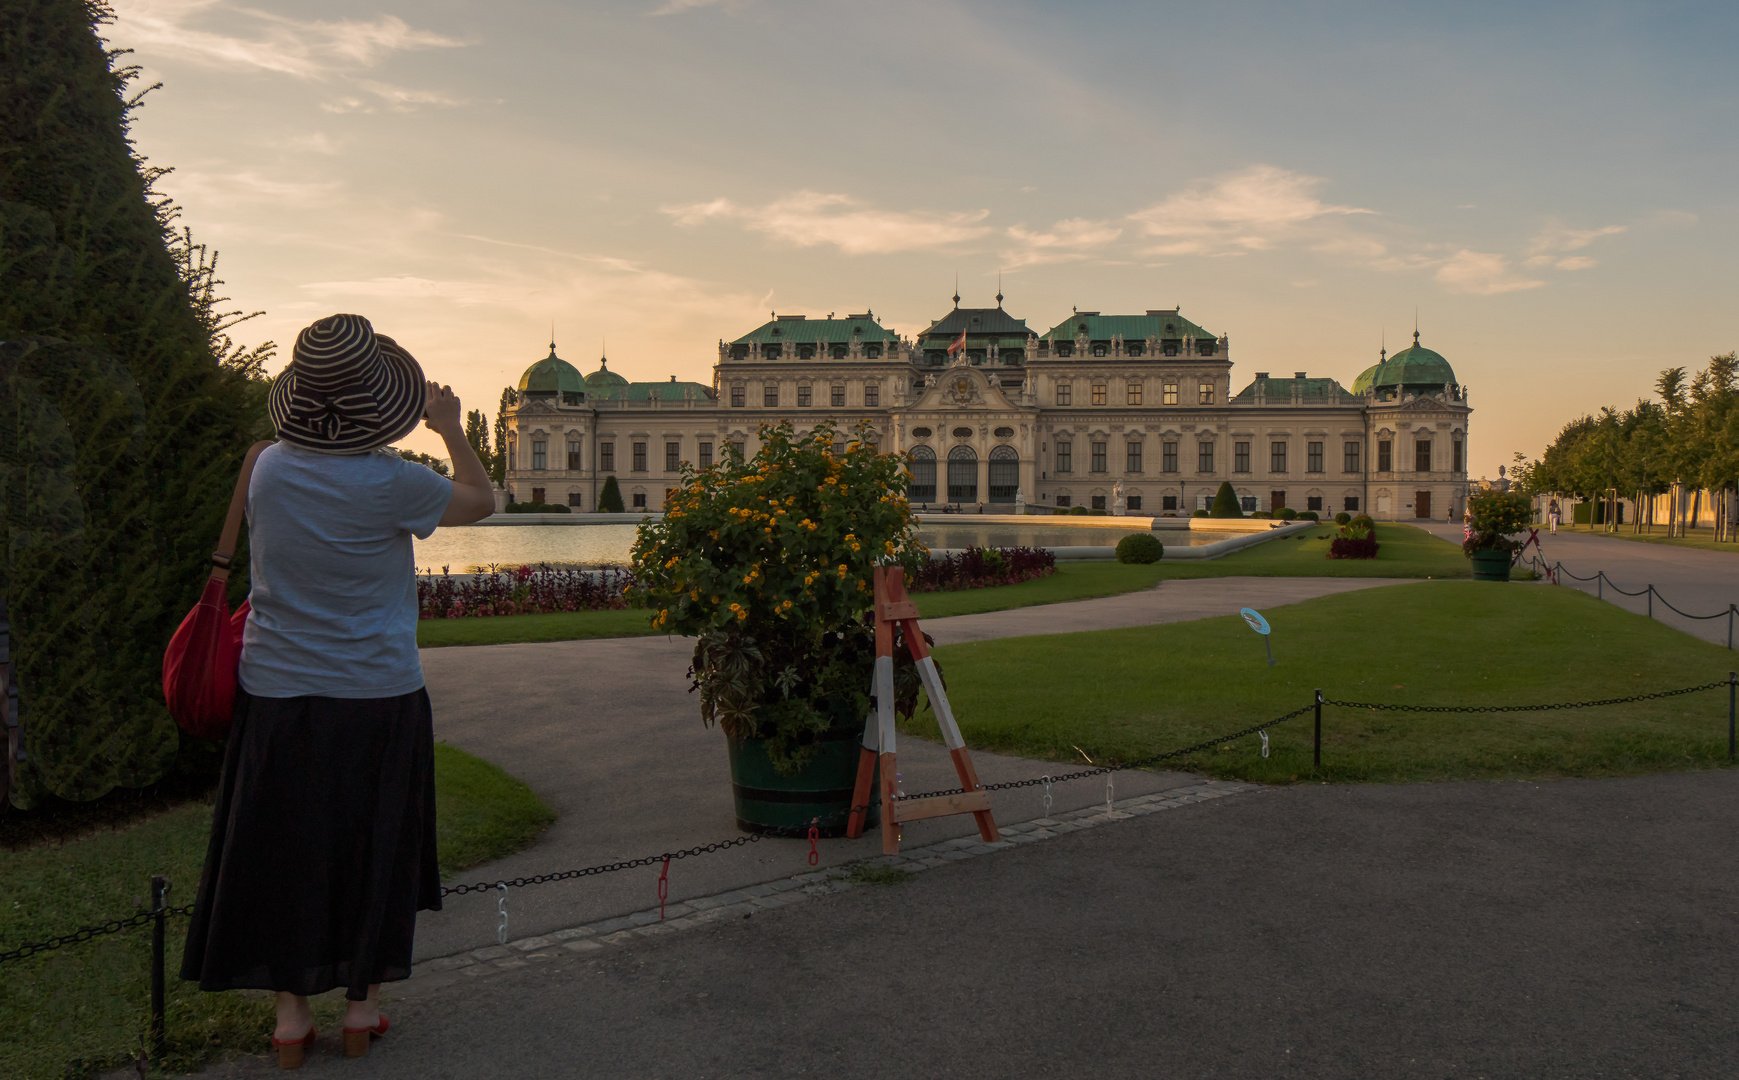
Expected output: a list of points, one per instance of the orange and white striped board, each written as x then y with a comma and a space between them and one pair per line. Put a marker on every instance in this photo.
893, 606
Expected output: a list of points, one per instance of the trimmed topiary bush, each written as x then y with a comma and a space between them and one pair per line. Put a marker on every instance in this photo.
1078, 511
1061, 511
1226, 502
1260, 515
537, 508
1199, 513
1140, 548
1363, 520
1286, 513
1342, 518
610, 499
1309, 515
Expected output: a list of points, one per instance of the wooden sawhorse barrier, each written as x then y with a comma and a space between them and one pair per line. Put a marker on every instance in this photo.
893, 606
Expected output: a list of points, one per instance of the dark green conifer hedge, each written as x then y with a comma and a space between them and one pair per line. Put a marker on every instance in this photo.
1226, 502
610, 499
121, 427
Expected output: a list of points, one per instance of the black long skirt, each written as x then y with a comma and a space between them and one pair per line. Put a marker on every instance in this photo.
322, 846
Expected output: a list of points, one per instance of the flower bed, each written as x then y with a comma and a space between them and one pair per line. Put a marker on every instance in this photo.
980, 568
521, 591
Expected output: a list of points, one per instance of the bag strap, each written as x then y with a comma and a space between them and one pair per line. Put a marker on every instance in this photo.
238, 506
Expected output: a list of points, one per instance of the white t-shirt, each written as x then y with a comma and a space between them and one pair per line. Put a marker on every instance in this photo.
334, 594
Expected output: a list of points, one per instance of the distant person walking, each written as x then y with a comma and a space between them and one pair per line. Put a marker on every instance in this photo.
322, 843
1552, 517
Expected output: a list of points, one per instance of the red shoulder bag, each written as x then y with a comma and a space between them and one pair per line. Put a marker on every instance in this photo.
199, 667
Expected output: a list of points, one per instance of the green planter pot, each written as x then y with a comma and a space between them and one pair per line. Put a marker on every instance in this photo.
769, 802
1491, 565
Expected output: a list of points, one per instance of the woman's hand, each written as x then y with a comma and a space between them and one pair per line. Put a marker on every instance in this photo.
441, 410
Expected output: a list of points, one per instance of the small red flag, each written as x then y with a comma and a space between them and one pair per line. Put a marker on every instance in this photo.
959, 343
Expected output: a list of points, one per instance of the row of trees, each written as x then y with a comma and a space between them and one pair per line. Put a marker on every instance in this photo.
1691, 436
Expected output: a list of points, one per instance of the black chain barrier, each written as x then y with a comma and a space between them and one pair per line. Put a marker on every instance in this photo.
145, 918
84, 934
1603, 582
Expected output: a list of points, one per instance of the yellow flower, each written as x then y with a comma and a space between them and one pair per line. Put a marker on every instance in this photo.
742, 615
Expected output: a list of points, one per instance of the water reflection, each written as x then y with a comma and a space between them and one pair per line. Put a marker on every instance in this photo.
464, 547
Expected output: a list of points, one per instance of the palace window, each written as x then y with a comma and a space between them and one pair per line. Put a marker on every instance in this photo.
838, 449
639, 500
923, 470
803, 397
1204, 457
838, 397
639, 457
1247, 503
1313, 457
1385, 455
1065, 393
872, 396
770, 397
804, 352
1240, 457
706, 455
1168, 458
1098, 393
1004, 473
573, 457
1350, 457
1133, 348
607, 456
1065, 456
1313, 502
1455, 448
576, 500
1170, 397
672, 457
1422, 455
1098, 350
1276, 457
1098, 456
1169, 348
1205, 392
737, 396
1206, 347
1063, 501
1168, 502
1132, 457
539, 454
962, 474
1134, 394
1133, 502
738, 448
873, 352
1352, 504
512, 453
1065, 349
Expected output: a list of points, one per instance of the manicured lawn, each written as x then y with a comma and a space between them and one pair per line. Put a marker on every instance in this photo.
1072, 581
1703, 539
1123, 694
88, 1003
1402, 551
510, 629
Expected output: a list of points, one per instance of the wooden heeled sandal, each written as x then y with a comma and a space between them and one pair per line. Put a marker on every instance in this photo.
290, 1051
357, 1040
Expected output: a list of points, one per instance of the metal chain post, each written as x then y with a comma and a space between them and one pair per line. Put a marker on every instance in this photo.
159, 889
1316, 752
1732, 712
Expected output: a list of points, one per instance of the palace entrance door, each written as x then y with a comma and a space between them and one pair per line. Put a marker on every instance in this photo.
1421, 504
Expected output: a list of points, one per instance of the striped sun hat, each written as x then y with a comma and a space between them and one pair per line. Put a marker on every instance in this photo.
347, 389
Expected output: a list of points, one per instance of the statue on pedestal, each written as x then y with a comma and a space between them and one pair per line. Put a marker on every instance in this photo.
1019, 501
1119, 506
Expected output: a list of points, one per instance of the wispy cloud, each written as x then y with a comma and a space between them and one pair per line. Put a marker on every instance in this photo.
677, 7
398, 99
303, 48
812, 218
1548, 246
1069, 239
1253, 209
1481, 273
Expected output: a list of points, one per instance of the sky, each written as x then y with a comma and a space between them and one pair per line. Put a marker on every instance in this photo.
1547, 188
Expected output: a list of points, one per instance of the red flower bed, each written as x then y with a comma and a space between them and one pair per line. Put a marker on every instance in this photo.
1346, 547
521, 591
979, 568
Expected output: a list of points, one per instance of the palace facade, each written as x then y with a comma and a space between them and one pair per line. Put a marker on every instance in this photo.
1058, 418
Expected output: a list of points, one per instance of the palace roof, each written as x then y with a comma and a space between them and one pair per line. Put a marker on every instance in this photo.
551, 375
801, 330
1162, 324
1315, 391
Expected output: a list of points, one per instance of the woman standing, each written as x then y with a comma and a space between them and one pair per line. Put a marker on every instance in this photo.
322, 844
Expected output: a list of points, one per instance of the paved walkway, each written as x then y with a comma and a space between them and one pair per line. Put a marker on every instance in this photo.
1573, 929
1696, 581
607, 733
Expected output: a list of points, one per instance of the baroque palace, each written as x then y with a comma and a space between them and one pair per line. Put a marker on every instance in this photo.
994, 414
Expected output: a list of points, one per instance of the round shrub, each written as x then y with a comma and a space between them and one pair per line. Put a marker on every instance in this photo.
1309, 515
1364, 520
537, 508
1200, 513
1286, 513
1140, 548
1261, 515
1078, 511
1342, 518
1062, 511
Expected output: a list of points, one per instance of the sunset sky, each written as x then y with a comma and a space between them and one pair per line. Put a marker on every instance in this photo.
1552, 187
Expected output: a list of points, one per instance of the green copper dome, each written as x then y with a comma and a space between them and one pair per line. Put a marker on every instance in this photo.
551, 376
1414, 369
1367, 377
604, 383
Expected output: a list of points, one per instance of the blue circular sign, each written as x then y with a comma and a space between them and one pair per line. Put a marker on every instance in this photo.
1256, 621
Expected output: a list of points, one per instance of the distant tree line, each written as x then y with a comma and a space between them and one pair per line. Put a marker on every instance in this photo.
1690, 436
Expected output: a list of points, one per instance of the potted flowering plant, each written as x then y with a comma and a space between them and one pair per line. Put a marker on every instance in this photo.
1492, 517
767, 562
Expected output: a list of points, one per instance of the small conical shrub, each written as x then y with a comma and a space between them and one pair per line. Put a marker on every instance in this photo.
610, 499
1226, 502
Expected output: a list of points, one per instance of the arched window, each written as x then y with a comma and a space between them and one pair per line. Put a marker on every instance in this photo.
962, 474
923, 467
1004, 474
